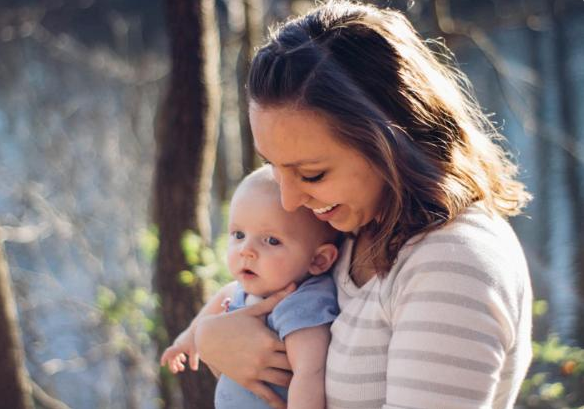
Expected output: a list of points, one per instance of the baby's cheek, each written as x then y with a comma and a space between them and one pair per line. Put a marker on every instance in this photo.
231, 261
290, 263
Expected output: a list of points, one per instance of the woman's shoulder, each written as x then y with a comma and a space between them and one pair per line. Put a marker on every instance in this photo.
474, 233
470, 268
476, 245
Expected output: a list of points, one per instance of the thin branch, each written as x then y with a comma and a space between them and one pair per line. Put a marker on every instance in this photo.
503, 70
26, 23
25, 234
44, 399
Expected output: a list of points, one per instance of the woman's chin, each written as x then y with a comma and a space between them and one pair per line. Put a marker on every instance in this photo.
343, 225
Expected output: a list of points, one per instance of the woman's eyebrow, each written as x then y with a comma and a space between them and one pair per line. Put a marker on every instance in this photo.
292, 164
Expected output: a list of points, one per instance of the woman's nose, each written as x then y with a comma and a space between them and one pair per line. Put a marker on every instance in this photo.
290, 195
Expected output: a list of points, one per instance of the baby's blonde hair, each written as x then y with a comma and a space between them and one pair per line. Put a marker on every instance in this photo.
263, 178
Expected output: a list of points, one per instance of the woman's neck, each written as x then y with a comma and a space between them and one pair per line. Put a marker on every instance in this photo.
362, 268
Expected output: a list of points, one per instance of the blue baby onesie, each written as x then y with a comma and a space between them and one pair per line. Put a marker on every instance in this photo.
313, 303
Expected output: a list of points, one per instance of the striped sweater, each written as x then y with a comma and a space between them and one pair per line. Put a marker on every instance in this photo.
449, 327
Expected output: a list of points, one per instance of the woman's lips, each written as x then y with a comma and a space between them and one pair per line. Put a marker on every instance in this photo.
328, 214
326, 209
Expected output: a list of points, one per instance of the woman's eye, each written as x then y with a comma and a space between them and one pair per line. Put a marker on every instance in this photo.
313, 179
272, 241
238, 235
265, 161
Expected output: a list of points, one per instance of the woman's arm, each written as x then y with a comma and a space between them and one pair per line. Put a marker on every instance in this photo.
307, 349
240, 345
447, 348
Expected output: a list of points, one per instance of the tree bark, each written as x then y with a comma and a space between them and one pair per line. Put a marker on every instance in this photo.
15, 388
543, 150
251, 38
568, 101
186, 136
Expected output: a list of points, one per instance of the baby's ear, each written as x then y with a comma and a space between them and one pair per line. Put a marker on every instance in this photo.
323, 259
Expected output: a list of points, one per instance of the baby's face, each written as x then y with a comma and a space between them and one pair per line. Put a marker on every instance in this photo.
268, 247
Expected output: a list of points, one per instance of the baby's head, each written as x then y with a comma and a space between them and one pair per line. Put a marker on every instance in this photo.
269, 247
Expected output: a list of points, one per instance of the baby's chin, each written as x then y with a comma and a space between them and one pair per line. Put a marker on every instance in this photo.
252, 291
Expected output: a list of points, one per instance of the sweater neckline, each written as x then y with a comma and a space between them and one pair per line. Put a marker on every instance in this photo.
345, 281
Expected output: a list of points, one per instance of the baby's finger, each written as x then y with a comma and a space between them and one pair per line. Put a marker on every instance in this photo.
194, 361
164, 358
167, 355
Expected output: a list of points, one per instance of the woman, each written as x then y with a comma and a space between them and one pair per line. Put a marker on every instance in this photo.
364, 124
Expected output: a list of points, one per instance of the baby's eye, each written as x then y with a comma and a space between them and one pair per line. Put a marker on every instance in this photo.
238, 234
272, 241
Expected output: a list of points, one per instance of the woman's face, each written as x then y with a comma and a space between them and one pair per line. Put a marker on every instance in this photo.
314, 169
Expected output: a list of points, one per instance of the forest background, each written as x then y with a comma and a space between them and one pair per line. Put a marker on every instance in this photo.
123, 132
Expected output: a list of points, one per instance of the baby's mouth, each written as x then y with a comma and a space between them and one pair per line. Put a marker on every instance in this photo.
248, 273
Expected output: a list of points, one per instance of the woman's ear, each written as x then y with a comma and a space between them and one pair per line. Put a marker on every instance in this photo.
323, 259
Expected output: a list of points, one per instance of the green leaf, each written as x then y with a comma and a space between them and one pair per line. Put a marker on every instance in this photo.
187, 278
148, 242
207, 256
550, 391
141, 296
540, 307
192, 245
105, 299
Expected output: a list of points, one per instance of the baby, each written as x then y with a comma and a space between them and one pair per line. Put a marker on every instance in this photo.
268, 249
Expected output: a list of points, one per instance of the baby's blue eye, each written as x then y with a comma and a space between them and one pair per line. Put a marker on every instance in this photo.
238, 235
272, 241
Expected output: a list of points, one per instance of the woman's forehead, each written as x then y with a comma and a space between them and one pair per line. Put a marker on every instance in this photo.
291, 137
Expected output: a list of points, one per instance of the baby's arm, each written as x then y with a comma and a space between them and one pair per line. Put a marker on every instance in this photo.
307, 349
176, 354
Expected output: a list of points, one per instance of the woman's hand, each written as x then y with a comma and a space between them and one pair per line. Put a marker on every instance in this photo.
240, 345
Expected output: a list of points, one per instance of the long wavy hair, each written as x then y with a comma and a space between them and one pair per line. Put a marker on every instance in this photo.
400, 104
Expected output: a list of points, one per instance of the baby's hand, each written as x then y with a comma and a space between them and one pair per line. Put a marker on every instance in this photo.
176, 354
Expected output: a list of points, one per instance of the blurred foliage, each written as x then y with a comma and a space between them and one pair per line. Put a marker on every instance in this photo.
148, 241
556, 377
132, 312
131, 309
205, 263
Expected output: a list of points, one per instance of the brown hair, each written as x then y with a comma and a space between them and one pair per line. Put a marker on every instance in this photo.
387, 95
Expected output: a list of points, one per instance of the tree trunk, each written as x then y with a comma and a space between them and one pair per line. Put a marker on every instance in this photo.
186, 135
251, 37
542, 151
568, 101
15, 388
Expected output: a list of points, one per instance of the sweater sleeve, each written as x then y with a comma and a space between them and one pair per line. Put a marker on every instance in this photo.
453, 315
313, 304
